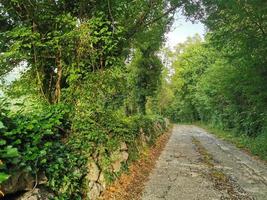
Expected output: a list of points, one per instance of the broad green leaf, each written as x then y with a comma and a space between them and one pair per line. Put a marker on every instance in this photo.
11, 152
3, 177
2, 142
2, 125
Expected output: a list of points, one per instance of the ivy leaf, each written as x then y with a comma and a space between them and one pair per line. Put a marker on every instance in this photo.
2, 125
11, 152
2, 142
3, 177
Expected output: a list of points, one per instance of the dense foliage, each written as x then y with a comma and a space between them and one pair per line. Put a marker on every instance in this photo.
208, 87
85, 64
222, 81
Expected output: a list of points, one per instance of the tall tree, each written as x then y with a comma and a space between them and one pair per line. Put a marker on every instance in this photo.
56, 37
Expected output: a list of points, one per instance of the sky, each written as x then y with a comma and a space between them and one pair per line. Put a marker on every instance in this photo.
15, 73
181, 29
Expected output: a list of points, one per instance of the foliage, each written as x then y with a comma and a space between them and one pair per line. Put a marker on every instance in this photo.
26, 138
190, 62
222, 81
145, 78
76, 87
63, 144
208, 87
64, 40
238, 103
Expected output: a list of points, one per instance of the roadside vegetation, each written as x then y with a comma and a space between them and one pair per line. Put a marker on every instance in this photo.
90, 67
221, 81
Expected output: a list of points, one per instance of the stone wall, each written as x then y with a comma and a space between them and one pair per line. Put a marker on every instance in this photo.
95, 181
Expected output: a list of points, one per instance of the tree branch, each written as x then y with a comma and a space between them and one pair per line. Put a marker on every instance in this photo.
111, 17
141, 20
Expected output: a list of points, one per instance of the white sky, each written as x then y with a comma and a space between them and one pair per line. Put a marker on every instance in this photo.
181, 29
15, 73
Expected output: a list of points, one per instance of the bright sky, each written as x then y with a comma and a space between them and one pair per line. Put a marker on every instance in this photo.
181, 29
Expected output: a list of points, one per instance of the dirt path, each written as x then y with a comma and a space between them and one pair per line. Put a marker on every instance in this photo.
197, 166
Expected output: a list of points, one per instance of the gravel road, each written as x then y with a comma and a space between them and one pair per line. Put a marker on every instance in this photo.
195, 165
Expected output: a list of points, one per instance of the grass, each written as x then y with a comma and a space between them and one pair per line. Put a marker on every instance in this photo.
256, 146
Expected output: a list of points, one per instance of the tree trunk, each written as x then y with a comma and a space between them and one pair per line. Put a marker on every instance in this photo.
142, 104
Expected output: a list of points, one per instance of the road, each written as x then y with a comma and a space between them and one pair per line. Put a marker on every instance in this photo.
195, 165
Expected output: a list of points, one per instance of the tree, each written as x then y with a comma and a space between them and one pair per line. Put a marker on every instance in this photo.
59, 37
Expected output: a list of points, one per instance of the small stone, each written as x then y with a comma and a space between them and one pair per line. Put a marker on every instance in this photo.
148, 138
36, 194
123, 146
94, 171
193, 174
18, 181
91, 184
118, 157
167, 122
116, 166
42, 179
95, 191
102, 180
124, 155
143, 139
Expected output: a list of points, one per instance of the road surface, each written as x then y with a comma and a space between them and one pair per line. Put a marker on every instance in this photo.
195, 165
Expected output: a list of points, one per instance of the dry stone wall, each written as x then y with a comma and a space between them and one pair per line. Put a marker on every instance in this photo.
95, 181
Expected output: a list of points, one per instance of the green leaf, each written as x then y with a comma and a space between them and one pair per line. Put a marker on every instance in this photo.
2, 142
11, 152
2, 125
3, 177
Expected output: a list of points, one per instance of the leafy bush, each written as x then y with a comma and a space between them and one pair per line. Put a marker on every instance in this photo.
28, 139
